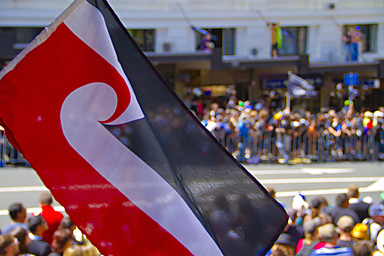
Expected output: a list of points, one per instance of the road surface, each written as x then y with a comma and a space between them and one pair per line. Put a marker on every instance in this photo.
329, 179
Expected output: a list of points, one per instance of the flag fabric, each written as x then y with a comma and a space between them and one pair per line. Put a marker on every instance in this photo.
133, 167
279, 37
299, 87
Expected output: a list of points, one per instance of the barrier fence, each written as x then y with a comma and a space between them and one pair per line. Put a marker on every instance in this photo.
9, 155
272, 147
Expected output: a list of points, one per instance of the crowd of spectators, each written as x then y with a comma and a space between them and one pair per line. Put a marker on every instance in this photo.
250, 131
351, 226
47, 233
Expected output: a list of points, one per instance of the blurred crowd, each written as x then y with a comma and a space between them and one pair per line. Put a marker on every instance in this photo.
45, 233
250, 131
350, 226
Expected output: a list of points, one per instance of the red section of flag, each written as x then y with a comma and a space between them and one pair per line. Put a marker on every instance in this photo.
31, 96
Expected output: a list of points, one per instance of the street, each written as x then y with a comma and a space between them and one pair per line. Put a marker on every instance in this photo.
328, 179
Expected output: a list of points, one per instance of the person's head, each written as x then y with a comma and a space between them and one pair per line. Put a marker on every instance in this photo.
75, 250
327, 233
22, 235
276, 250
90, 250
271, 191
61, 240
37, 225
376, 211
311, 228
345, 224
316, 205
9, 246
286, 244
353, 191
66, 223
342, 200
360, 232
208, 36
45, 198
17, 212
363, 248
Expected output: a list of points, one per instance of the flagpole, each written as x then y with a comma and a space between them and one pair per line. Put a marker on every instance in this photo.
288, 94
193, 27
262, 17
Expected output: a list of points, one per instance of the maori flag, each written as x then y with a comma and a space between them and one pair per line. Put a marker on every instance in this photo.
133, 167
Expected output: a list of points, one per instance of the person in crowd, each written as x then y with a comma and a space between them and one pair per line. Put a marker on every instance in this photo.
83, 250
18, 215
22, 236
328, 234
38, 246
62, 240
360, 232
356, 36
75, 250
376, 222
207, 44
9, 245
77, 236
310, 241
347, 46
275, 37
51, 216
363, 248
341, 209
285, 243
345, 226
316, 212
356, 203
89, 250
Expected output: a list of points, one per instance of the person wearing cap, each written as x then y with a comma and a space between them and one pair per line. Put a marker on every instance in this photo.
376, 223
360, 232
328, 234
345, 226
9, 245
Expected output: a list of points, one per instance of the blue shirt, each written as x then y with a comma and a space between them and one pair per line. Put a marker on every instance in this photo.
332, 251
11, 226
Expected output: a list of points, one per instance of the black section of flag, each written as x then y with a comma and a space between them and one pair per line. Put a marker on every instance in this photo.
234, 208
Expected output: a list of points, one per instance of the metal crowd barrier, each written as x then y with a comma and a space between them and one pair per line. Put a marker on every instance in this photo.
9, 155
271, 147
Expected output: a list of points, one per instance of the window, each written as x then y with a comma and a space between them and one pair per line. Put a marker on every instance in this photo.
15, 39
223, 38
294, 41
368, 42
145, 38
22, 35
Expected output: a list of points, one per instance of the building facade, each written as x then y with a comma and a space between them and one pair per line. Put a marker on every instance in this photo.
167, 31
